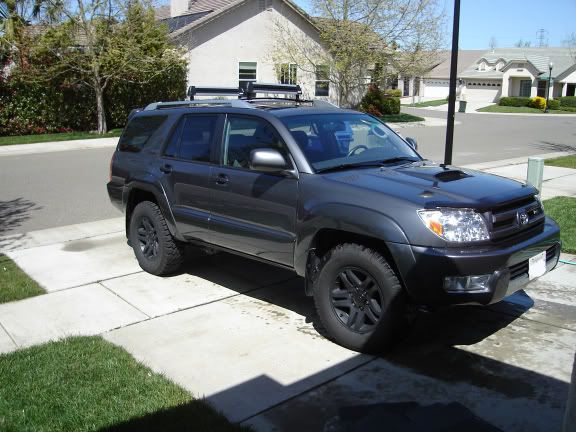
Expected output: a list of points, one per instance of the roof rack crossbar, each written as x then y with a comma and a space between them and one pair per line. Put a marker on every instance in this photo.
287, 89
235, 103
214, 91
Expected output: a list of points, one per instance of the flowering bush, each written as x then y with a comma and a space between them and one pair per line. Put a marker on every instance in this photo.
538, 102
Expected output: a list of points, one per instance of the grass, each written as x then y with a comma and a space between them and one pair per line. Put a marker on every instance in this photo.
523, 110
14, 283
32, 139
562, 210
565, 162
400, 118
430, 103
88, 384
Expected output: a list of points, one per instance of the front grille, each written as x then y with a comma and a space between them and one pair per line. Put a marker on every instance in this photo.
514, 218
521, 269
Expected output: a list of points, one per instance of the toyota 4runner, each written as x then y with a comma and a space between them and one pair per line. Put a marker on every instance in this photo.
334, 195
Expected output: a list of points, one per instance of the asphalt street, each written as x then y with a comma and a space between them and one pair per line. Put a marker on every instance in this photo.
62, 188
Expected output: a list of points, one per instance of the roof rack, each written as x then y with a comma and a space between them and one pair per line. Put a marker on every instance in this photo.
285, 89
214, 91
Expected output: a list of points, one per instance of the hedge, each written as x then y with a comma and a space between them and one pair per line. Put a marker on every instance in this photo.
29, 108
567, 101
378, 103
514, 101
553, 104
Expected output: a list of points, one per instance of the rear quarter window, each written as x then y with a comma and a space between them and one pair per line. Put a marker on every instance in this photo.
138, 132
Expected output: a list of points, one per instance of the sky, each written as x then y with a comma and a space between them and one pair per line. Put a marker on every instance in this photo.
507, 20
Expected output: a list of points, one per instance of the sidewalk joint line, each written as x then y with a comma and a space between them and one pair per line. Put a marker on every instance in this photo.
122, 298
9, 335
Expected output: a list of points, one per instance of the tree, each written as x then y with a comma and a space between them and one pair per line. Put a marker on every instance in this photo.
93, 43
523, 44
362, 35
570, 42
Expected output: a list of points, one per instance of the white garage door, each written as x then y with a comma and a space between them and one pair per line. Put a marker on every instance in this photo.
436, 88
483, 91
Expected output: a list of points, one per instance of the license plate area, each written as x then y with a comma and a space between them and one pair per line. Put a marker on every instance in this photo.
537, 265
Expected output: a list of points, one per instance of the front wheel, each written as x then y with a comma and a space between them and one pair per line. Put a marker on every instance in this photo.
156, 250
359, 298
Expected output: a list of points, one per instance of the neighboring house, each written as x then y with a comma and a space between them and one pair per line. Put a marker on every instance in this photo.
232, 42
486, 76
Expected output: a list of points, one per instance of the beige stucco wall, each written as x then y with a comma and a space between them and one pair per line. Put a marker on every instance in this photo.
516, 72
245, 34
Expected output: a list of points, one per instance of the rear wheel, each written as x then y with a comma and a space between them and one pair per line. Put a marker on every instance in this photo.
155, 248
358, 298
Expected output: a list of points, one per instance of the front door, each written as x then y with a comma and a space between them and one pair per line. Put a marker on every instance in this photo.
253, 212
525, 88
186, 164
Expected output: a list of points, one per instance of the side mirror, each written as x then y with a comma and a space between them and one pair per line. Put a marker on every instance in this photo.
267, 160
412, 143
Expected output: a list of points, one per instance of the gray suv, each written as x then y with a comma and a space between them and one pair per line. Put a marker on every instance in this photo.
335, 196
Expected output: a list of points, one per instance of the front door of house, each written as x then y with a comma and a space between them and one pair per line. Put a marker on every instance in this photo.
525, 88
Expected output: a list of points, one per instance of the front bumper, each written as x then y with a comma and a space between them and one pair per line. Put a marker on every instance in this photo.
423, 269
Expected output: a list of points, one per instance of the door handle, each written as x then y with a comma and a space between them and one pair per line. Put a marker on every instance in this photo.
222, 179
166, 169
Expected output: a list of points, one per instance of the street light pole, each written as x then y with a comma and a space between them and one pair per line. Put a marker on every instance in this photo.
550, 66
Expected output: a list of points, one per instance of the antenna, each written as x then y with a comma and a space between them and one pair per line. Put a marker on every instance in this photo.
542, 36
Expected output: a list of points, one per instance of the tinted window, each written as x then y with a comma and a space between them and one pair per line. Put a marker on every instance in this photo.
197, 136
171, 149
138, 131
246, 134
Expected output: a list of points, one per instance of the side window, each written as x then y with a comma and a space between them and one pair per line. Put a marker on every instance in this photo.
171, 149
138, 131
246, 134
197, 137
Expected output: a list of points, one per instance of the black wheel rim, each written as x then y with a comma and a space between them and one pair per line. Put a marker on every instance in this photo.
357, 300
148, 238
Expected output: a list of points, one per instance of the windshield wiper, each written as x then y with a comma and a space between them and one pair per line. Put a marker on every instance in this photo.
400, 159
342, 167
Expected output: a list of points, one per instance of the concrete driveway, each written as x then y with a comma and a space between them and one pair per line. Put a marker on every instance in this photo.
243, 335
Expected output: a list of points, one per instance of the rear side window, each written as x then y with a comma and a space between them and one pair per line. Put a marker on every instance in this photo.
192, 139
138, 132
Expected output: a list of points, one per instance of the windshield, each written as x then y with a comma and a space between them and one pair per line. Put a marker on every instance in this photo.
343, 139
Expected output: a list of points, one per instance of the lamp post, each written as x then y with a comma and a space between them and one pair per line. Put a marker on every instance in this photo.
550, 66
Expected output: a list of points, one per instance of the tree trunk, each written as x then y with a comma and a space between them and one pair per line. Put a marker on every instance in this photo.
100, 111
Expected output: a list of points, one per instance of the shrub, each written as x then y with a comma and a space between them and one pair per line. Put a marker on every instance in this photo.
567, 101
391, 105
393, 93
538, 102
372, 101
553, 104
514, 101
568, 108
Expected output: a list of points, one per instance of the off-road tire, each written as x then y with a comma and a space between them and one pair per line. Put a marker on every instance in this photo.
169, 251
370, 338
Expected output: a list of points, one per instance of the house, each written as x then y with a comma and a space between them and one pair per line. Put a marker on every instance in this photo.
234, 42
486, 76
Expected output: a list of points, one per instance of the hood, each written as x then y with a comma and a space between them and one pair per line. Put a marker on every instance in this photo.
430, 185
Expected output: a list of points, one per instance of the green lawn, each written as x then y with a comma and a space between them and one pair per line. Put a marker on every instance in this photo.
400, 118
562, 210
88, 384
565, 162
430, 103
31, 139
14, 283
522, 110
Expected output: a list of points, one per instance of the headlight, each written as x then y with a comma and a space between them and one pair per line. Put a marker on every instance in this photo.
455, 225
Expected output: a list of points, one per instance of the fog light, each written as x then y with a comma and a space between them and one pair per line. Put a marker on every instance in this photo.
467, 284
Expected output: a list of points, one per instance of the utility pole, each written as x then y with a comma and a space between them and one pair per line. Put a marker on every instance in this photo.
542, 36
452, 94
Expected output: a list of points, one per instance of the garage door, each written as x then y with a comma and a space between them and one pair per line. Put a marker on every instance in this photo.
436, 88
483, 91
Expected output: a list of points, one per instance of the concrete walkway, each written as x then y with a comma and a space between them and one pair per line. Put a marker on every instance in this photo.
243, 335
57, 146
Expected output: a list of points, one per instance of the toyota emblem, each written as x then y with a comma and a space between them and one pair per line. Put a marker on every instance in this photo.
522, 218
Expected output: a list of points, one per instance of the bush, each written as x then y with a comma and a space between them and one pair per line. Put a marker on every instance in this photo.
553, 104
568, 108
567, 101
391, 105
538, 102
514, 101
393, 93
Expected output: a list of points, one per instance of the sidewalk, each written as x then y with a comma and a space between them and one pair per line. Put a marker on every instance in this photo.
57, 146
243, 335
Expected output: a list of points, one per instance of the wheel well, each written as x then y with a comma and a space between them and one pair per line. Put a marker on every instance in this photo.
137, 196
327, 239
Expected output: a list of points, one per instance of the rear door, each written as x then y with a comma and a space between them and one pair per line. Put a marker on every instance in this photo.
253, 212
187, 163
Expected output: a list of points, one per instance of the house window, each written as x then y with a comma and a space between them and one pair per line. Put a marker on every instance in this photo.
246, 73
541, 88
322, 82
288, 73
525, 88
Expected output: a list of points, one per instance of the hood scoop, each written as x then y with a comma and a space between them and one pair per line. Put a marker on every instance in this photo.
437, 175
451, 175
